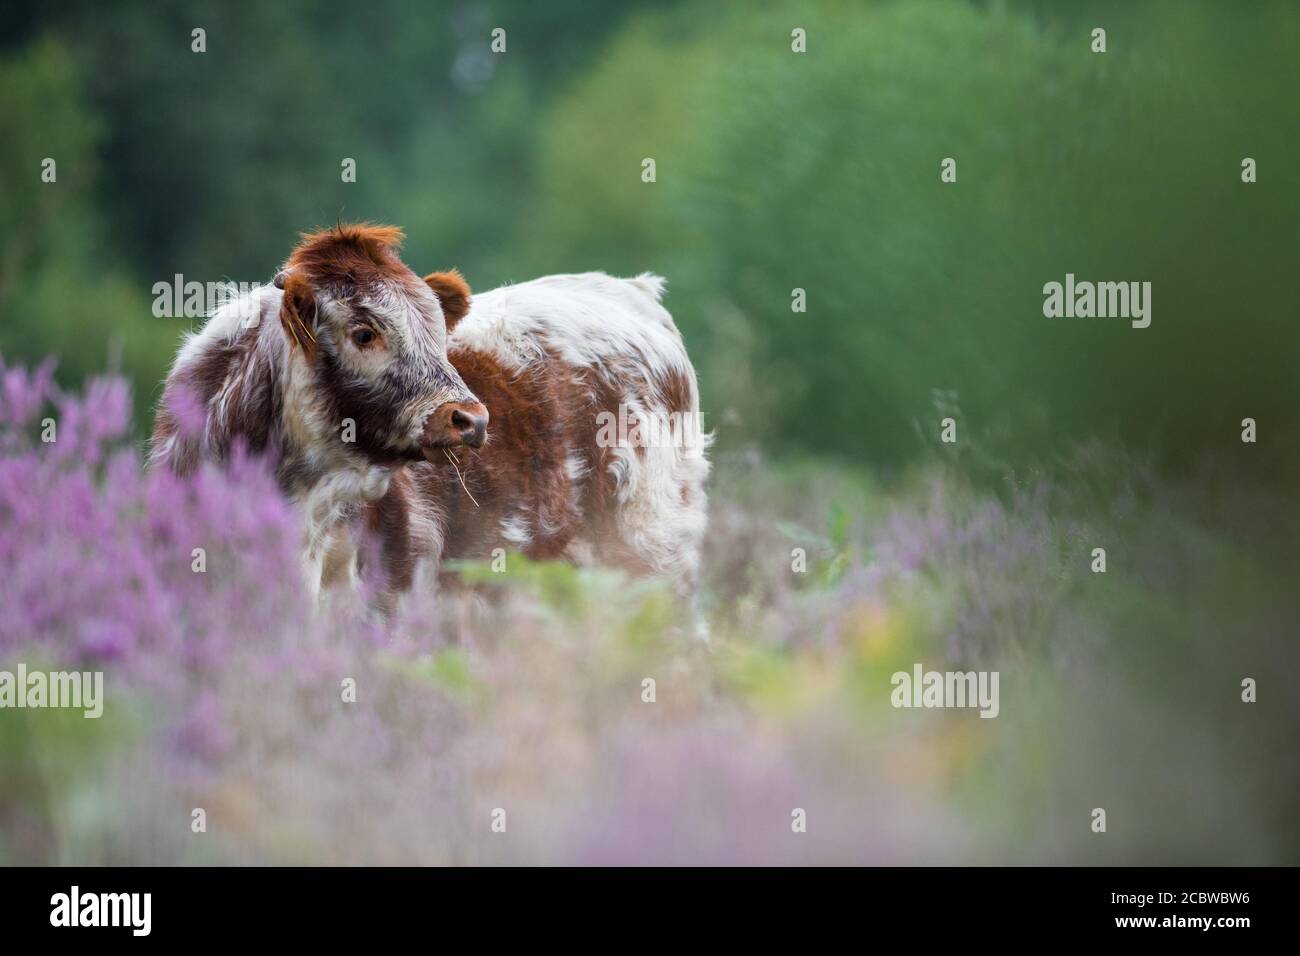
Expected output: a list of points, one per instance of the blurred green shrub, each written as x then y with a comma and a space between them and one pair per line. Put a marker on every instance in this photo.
821, 171
62, 288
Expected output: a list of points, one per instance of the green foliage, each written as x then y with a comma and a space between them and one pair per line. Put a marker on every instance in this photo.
61, 289
42, 115
50, 761
821, 171
448, 670
570, 593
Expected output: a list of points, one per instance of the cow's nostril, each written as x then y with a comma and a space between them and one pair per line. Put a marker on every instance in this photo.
456, 423
471, 426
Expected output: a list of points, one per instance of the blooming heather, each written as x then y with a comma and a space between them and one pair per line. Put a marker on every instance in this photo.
335, 734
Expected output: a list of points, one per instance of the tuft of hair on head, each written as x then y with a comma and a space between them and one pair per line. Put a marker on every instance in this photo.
453, 294
324, 246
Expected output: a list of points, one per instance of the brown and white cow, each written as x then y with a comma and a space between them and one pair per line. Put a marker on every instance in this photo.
394, 406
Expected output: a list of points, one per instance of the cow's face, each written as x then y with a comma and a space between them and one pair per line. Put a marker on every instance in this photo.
374, 336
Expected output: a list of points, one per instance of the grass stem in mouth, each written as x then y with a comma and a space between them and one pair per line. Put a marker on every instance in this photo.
455, 463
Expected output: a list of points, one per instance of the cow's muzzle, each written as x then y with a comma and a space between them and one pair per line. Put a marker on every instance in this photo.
456, 423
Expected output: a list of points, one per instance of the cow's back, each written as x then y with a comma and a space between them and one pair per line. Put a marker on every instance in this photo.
554, 360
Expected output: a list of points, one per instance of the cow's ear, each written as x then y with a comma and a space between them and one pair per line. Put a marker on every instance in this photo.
452, 292
298, 313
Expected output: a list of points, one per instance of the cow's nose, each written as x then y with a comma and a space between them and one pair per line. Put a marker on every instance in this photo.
471, 423
456, 423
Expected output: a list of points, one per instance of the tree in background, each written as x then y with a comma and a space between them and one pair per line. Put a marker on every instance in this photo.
62, 287
778, 170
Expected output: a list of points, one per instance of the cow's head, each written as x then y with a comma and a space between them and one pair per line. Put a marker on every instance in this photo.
371, 337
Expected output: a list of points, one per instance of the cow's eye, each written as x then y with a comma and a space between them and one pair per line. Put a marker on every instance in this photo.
364, 337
